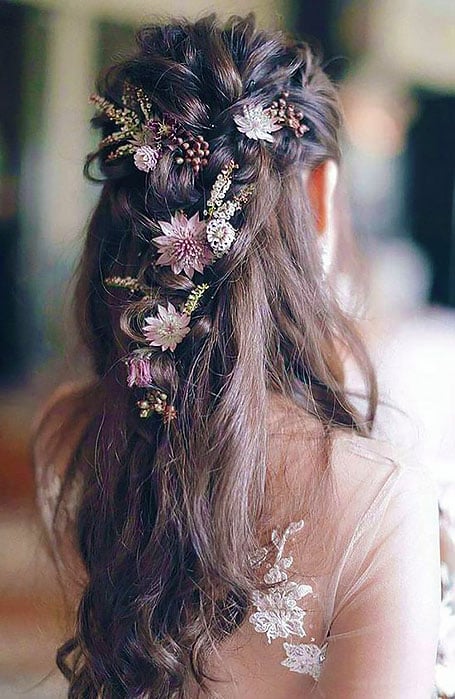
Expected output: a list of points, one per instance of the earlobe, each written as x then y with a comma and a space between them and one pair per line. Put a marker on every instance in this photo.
321, 186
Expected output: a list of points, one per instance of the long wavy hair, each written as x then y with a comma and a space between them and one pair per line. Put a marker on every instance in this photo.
163, 516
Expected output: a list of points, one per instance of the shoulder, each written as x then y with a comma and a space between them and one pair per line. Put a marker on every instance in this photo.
379, 489
58, 397
57, 428
56, 432
388, 513
371, 466
327, 479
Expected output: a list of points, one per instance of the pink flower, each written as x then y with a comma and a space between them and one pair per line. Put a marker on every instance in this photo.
184, 244
166, 329
139, 369
146, 158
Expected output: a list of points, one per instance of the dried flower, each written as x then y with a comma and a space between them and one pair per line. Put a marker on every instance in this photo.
166, 329
156, 402
194, 298
139, 132
169, 413
220, 187
257, 123
184, 245
288, 115
161, 129
220, 235
146, 158
139, 369
130, 283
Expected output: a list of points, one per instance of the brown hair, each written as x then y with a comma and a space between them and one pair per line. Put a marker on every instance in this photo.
165, 515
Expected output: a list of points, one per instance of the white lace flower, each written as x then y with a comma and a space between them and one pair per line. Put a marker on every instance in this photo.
277, 573
167, 329
220, 235
278, 615
305, 658
146, 158
257, 123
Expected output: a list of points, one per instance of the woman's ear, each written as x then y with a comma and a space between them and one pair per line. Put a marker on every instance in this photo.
321, 182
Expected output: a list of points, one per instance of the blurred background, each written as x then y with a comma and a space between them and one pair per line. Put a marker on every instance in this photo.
395, 63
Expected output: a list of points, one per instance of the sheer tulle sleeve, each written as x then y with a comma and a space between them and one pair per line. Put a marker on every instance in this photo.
384, 625
354, 607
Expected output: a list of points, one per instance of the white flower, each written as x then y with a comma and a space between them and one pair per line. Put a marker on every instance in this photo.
146, 158
167, 329
305, 658
278, 614
220, 235
257, 123
183, 245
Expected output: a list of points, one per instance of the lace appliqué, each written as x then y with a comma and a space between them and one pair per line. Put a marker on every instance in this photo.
278, 613
305, 658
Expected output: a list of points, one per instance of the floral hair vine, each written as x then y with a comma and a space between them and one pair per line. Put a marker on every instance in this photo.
187, 245
259, 124
170, 326
141, 133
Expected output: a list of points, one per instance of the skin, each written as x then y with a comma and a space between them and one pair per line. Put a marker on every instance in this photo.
321, 186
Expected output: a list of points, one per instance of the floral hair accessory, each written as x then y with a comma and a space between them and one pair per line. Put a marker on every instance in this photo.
287, 115
155, 401
145, 157
166, 329
139, 370
145, 136
131, 283
220, 232
184, 244
170, 326
187, 245
259, 124
194, 297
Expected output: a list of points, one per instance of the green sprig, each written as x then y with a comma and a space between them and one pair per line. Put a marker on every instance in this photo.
193, 299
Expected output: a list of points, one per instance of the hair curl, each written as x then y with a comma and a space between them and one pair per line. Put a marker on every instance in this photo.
166, 515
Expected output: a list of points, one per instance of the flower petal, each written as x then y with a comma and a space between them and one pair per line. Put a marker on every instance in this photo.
166, 227
165, 258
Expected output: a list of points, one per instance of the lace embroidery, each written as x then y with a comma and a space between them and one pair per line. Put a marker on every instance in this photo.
278, 613
305, 658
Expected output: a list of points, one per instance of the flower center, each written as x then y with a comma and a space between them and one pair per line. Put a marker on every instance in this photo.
169, 327
187, 248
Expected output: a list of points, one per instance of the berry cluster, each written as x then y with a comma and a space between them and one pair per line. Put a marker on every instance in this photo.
193, 150
287, 115
144, 135
156, 402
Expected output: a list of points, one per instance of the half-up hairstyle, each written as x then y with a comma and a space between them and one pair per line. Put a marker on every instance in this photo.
165, 514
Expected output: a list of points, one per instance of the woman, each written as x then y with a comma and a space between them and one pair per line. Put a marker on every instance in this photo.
239, 532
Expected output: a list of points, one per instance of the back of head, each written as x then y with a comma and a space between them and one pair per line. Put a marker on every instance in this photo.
189, 340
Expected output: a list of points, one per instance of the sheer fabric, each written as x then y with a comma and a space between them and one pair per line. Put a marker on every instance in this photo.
353, 607
366, 625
